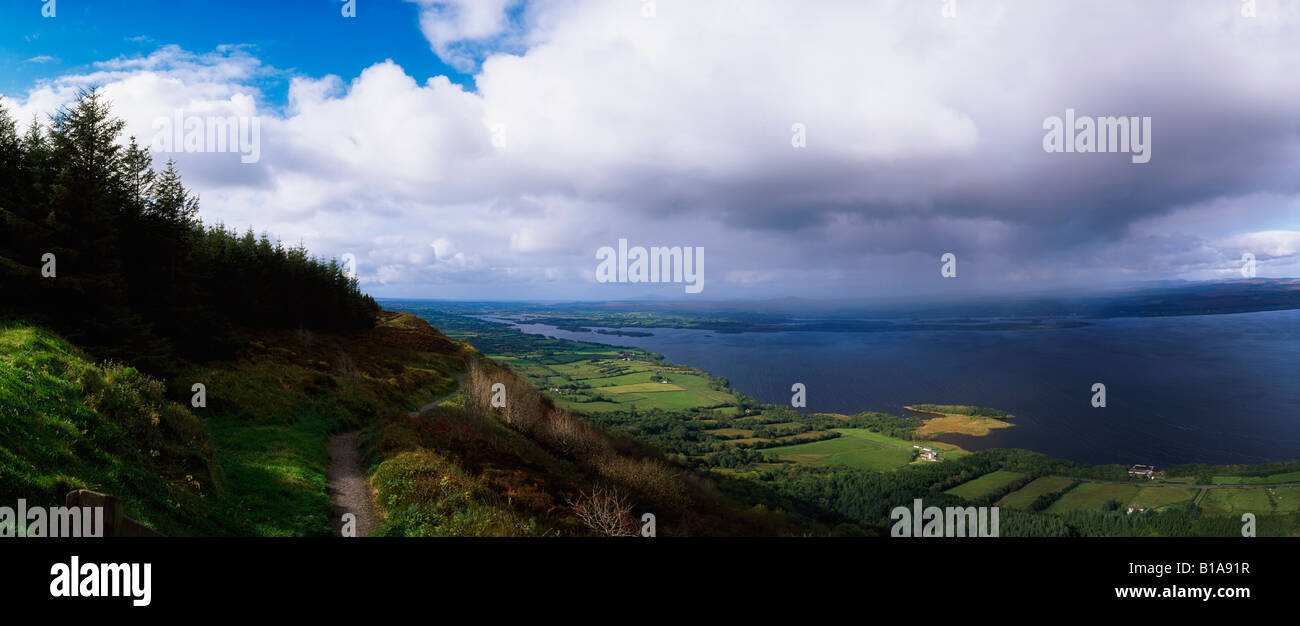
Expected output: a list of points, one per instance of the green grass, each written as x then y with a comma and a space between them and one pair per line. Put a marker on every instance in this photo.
845, 451
68, 423
640, 377
868, 435
1286, 499
613, 384
986, 484
428, 495
272, 412
1155, 497
1237, 501
1092, 496
1257, 500
945, 450
1288, 477
1025, 496
254, 461
731, 432
279, 473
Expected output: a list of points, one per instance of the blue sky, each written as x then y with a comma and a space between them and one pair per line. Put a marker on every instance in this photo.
298, 37
488, 149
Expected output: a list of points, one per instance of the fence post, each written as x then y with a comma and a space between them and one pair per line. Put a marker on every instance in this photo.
116, 524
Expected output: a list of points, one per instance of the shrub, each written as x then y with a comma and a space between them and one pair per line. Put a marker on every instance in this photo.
424, 494
605, 512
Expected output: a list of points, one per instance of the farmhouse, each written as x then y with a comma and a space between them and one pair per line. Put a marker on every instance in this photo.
927, 454
1145, 471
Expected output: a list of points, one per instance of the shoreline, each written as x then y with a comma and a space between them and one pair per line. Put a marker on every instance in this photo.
937, 436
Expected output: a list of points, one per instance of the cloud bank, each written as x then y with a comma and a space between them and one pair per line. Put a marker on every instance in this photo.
921, 134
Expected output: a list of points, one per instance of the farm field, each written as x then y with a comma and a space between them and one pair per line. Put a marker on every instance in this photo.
1289, 477
1091, 497
1260, 501
595, 379
858, 447
1286, 499
1236, 501
945, 450
985, 484
1154, 497
1025, 496
598, 379
633, 384
847, 451
731, 433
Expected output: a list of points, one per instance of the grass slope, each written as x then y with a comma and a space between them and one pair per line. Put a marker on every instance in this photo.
68, 423
272, 410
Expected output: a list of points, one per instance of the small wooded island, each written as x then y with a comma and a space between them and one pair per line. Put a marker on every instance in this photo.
961, 419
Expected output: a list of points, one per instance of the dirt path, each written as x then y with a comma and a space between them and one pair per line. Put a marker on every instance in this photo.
349, 492
460, 384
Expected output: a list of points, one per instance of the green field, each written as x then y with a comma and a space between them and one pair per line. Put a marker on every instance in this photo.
1235, 501
1091, 497
1260, 501
1289, 477
1025, 496
851, 450
1154, 497
1286, 499
985, 484
731, 432
599, 379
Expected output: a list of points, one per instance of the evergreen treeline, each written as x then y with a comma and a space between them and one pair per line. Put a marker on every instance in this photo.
136, 275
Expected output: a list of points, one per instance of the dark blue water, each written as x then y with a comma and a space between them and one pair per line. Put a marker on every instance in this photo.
1212, 389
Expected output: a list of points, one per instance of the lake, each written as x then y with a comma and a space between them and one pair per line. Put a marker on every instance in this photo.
1214, 389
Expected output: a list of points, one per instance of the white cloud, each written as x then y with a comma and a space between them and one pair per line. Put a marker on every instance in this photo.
924, 137
1277, 244
459, 31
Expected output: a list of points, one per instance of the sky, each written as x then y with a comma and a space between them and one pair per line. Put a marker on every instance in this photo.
488, 149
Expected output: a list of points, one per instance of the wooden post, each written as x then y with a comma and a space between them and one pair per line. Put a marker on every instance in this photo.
116, 524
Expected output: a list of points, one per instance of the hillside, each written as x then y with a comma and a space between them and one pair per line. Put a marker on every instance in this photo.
211, 368
68, 423
254, 460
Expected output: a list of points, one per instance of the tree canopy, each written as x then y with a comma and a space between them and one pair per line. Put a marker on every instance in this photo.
109, 251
